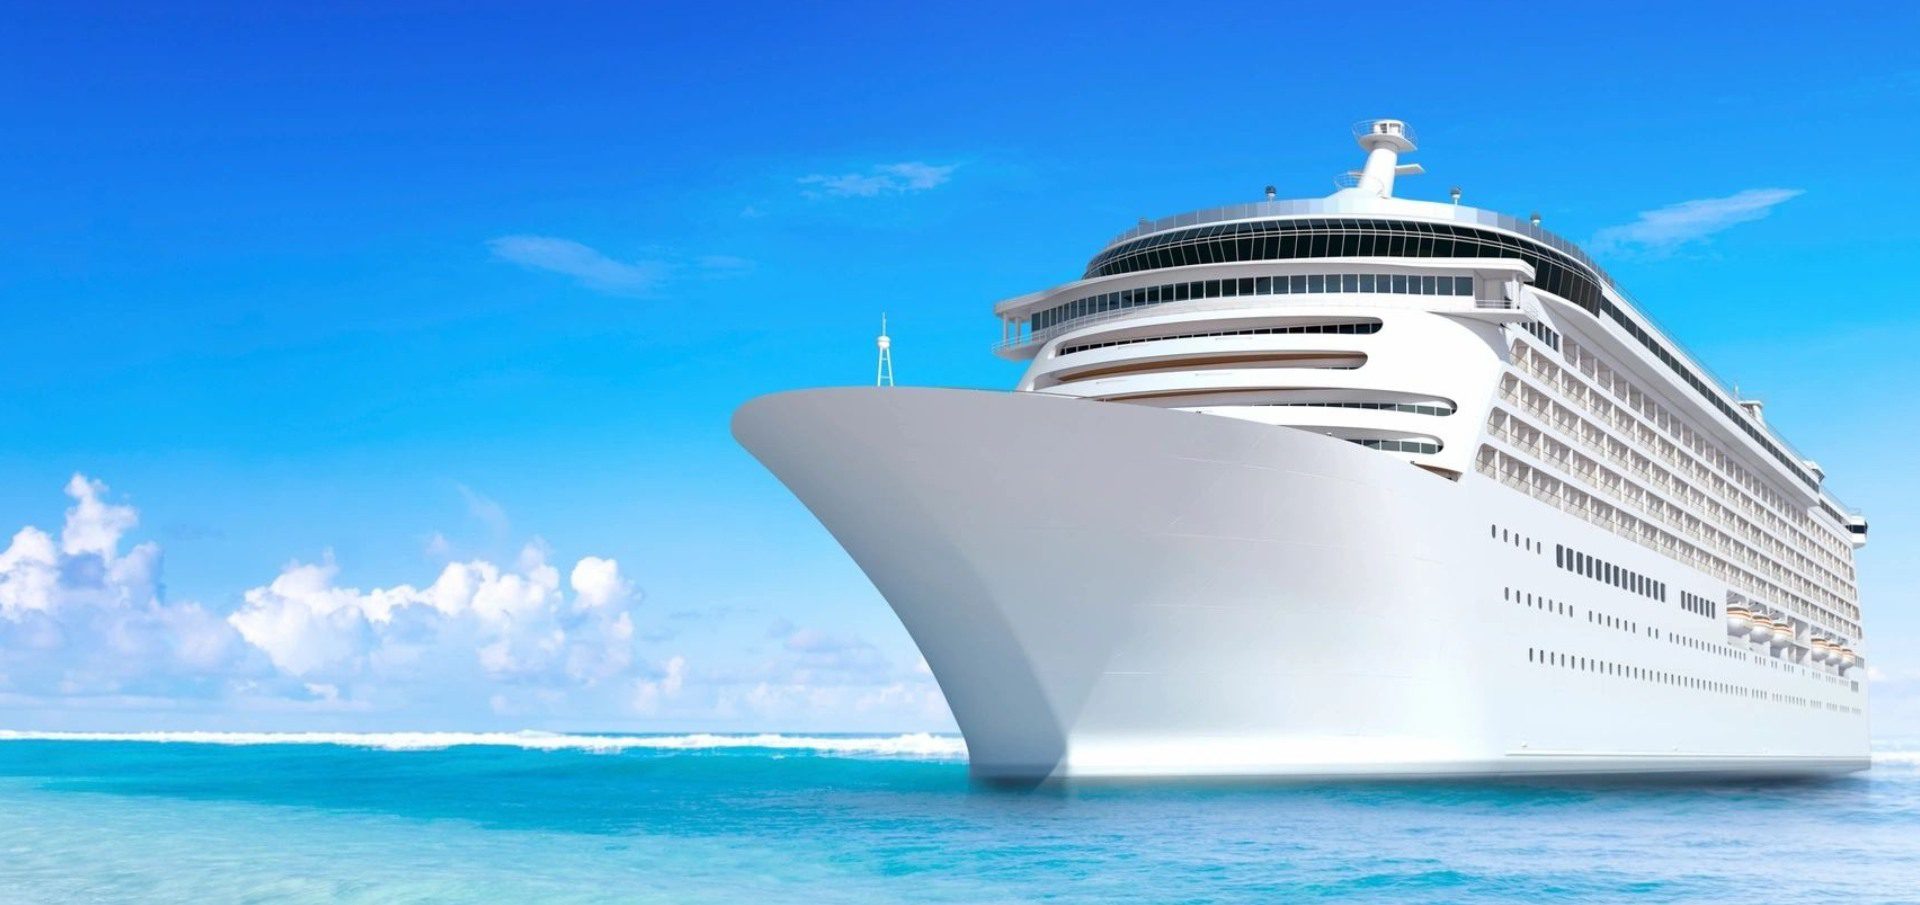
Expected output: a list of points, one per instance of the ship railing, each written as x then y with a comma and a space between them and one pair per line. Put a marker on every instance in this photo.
1623, 520
1366, 127
1461, 214
1626, 421
1235, 303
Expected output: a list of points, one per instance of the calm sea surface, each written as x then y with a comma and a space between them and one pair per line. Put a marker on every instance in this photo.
411, 818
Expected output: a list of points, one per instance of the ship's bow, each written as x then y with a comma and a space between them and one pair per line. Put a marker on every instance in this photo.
1104, 589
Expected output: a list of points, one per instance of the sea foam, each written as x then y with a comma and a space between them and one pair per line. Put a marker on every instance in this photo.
919, 745
1896, 757
922, 745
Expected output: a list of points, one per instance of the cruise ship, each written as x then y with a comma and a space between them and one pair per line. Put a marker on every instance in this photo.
1352, 486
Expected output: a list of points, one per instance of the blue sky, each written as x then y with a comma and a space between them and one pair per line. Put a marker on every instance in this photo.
333, 300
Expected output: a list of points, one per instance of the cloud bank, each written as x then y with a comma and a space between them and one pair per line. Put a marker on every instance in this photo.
80, 617
1668, 228
84, 621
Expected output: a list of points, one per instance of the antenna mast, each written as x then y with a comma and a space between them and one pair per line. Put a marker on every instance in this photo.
883, 375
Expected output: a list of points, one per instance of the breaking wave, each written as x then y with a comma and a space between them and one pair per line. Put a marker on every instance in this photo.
918, 745
1897, 757
923, 746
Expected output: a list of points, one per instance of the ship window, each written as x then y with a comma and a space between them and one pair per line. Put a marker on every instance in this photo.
1350, 282
1263, 285
1557, 272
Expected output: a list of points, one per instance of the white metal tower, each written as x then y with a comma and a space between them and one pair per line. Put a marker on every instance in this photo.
883, 375
1384, 140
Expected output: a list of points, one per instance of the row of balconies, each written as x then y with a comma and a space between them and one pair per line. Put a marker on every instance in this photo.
1554, 377
1606, 410
1622, 522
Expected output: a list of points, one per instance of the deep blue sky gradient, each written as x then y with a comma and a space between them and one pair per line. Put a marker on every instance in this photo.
247, 282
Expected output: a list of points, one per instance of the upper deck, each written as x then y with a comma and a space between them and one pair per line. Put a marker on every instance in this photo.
1367, 222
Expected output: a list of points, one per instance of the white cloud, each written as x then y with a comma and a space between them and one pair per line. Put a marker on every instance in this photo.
437, 546
883, 179
817, 677
475, 618
486, 511
79, 617
648, 694
598, 583
1670, 227
588, 266
799, 703
84, 625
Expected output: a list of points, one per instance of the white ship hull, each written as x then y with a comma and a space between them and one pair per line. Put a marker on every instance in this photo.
1109, 590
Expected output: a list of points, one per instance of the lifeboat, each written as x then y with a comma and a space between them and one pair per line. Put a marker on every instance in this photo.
1739, 621
1782, 633
1847, 659
1820, 649
1761, 630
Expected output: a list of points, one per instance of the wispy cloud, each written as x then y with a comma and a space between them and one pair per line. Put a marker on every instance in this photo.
486, 511
1665, 229
882, 179
723, 265
583, 263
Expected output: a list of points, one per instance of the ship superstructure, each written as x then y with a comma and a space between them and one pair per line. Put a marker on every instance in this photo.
1348, 485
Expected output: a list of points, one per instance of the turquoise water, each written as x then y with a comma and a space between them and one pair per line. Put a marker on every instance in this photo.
703, 819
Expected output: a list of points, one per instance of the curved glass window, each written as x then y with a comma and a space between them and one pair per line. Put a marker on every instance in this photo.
1412, 446
1279, 240
1366, 326
1408, 407
1124, 299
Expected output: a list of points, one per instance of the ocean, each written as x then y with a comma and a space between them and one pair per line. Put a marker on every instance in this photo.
521, 818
